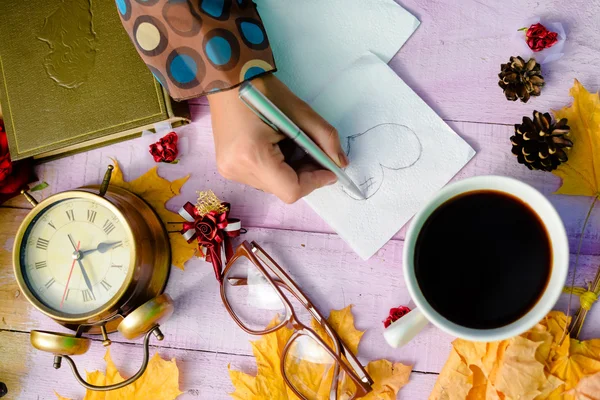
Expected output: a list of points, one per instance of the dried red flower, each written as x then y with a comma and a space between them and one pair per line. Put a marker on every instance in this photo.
14, 176
395, 314
540, 38
165, 150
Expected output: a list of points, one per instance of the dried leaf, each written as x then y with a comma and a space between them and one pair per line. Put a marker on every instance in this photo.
453, 383
342, 321
268, 384
389, 379
520, 375
588, 388
482, 387
582, 359
160, 380
156, 191
581, 174
535, 365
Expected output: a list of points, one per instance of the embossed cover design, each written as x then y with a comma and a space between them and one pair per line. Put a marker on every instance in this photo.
71, 78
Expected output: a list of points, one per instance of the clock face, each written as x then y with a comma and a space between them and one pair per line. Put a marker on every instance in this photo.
75, 256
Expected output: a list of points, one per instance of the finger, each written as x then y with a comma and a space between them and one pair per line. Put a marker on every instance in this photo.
319, 130
281, 180
323, 133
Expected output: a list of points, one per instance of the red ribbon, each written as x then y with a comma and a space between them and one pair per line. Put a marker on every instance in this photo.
211, 231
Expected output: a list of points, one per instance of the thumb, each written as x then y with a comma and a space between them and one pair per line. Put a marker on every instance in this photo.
311, 178
307, 182
289, 185
321, 131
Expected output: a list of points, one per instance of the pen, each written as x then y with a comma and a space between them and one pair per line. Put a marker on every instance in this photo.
276, 119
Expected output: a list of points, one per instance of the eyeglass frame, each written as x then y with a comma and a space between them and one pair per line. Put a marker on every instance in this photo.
353, 367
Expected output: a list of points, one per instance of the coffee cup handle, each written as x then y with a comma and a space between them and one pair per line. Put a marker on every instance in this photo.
403, 330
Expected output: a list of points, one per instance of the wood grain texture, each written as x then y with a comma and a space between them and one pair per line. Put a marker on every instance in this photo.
452, 62
453, 59
203, 375
257, 209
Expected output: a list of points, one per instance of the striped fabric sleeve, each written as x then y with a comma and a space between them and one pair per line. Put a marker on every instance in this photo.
197, 47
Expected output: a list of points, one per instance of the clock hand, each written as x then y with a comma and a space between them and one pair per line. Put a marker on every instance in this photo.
86, 278
69, 278
77, 257
102, 248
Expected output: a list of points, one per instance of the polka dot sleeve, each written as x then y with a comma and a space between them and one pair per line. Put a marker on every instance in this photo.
197, 47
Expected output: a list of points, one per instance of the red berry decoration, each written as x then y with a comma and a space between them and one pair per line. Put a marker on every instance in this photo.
395, 314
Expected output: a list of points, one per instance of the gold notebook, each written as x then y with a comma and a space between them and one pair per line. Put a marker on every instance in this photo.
72, 80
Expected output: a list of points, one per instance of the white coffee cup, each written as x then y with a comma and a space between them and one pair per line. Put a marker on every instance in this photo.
404, 329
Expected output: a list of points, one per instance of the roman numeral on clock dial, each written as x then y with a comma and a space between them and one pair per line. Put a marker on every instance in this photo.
91, 216
42, 244
108, 227
47, 249
87, 295
105, 284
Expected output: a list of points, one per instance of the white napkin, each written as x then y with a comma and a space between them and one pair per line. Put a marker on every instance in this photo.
314, 39
401, 152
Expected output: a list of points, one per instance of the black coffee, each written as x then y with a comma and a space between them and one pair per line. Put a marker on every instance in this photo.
483, 259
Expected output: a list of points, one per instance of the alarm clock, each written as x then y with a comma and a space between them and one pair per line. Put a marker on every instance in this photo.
95, 260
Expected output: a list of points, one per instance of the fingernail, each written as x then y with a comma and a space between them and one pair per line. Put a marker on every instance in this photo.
331, 182
343, 159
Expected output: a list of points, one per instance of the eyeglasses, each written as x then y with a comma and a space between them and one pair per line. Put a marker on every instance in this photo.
255, 291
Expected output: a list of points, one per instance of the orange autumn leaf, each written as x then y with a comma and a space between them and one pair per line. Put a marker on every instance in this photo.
588, 388
268, 384
581, 174
535, 365
454, 381
160, 380
520, 374
389, 378
582, 359
156, 191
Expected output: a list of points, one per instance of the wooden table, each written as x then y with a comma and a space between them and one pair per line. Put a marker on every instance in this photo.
452, 62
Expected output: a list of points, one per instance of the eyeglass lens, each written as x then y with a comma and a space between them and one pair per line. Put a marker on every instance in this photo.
308, 365
309, 369
255, 302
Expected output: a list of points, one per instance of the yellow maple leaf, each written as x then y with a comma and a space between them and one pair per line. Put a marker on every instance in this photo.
588, 388
388, 379
156, 191
268, 384
541, 364
582, 359
520, 376
159, 381
581, 174
454, 382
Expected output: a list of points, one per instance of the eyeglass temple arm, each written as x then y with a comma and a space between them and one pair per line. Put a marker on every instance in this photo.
349, 355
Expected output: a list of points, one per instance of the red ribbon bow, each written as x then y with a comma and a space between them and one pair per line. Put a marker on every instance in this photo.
213, 231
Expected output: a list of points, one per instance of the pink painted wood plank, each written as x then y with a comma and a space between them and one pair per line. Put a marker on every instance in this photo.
262, 210
453, 59
203, 376
333, 277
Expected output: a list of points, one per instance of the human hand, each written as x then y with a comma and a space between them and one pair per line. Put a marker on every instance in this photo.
250, 152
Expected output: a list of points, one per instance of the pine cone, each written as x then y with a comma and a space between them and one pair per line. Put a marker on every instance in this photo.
539, 144
521, 80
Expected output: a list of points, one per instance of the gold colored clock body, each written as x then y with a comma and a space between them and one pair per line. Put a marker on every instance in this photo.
87, 260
